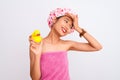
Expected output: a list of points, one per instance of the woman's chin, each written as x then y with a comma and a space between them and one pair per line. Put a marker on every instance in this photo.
62, 35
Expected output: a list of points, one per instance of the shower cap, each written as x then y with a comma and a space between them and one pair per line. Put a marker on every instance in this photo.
57, 13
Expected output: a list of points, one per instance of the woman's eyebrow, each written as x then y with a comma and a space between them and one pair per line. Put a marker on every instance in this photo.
67, 19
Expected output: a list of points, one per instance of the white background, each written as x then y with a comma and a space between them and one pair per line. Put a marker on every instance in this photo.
18, 18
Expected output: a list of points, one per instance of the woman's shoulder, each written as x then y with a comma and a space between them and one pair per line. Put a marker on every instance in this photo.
67, 42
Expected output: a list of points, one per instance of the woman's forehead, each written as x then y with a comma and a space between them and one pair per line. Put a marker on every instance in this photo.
68, 18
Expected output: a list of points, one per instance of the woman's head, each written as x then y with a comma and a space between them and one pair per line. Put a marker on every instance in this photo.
60, 21
57, 13
63, 25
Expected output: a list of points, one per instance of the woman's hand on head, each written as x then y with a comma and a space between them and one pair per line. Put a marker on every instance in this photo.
35, 47
75, 20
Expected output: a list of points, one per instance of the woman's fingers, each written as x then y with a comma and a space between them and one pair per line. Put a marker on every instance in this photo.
70, 15
74, 17
36, 48
30, 39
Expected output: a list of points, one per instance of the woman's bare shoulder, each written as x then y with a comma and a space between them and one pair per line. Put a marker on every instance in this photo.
69, 42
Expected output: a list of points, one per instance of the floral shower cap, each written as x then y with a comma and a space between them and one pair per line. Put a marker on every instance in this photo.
57, 13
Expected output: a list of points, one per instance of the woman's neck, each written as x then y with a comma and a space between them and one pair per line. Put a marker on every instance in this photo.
52, 37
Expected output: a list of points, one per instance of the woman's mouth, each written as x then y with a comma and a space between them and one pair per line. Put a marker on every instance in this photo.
64, 30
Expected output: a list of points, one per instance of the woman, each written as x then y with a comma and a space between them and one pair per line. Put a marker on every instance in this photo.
48, 59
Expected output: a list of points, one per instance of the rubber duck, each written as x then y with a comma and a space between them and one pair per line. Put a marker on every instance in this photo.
36, 36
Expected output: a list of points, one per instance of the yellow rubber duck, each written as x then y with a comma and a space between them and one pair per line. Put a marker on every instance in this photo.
36, 36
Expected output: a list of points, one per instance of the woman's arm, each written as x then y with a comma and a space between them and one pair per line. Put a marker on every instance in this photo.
35, 53
91, 45
35, 67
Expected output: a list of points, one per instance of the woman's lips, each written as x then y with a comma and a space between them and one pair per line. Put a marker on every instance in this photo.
64, 30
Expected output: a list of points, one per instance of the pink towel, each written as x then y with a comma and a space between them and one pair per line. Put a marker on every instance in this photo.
54, 66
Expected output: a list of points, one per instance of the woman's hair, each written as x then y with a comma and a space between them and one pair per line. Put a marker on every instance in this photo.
57, 13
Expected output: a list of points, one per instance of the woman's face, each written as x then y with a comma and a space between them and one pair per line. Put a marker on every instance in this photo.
63, 25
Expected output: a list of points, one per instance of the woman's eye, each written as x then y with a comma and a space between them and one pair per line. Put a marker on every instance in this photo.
66, 21
71, 27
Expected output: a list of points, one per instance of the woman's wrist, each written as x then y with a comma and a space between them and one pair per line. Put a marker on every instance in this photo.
37, 56
82, 33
